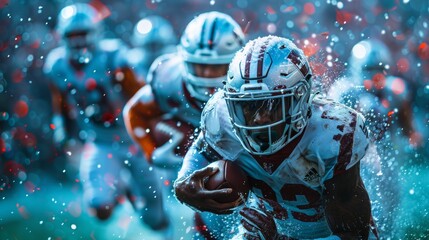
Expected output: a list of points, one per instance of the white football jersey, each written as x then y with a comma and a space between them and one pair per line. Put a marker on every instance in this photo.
290, 182
168, 89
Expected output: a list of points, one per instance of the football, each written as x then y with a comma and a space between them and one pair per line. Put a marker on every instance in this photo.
229, 175
167, 128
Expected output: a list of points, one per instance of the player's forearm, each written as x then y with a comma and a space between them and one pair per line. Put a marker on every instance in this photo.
347, 205
137, 117
193, 160
350, 219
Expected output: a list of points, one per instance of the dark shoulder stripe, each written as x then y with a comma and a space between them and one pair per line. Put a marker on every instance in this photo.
346, 148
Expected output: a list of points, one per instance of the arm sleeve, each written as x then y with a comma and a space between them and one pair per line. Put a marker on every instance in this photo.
195, 158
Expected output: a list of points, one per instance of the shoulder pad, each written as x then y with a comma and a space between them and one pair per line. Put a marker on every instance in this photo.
339, 135
112, 45
167, 64
217, 128
54, 57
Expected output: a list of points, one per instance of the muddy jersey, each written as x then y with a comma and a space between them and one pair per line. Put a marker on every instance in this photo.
290, 183
95, 99
169, 91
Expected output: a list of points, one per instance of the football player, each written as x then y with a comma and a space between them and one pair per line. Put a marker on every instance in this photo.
178, 86
90, 83
385, 101
301, 153
152, 37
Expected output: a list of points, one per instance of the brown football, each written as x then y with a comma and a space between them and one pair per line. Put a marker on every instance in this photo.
229, 175
165, 129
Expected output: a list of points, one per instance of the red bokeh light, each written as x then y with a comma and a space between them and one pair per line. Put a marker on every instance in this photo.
398, 86
3, 3
423, 51
379, 81
309, 9
367, 84
344, 17
403, 65
21, 108
90, 84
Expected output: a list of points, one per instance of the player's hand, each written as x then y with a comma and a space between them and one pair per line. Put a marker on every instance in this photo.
259, 225
191, 191
164, 156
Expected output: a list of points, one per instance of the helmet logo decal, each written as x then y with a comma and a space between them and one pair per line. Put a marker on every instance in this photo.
295, 58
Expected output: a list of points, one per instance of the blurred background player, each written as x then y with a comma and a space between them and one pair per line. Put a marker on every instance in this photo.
178, 87
384, 100
415, 53
90, 84
301, 154
152, 37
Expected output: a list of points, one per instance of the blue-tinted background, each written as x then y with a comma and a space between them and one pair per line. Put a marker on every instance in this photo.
39, 188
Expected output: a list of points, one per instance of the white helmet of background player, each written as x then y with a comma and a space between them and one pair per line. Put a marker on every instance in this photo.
79, 27
153, 33
267, 93
211, 38
369, 57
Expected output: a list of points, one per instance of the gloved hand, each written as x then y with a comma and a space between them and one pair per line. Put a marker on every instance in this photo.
191, 191
259, 225
164, 156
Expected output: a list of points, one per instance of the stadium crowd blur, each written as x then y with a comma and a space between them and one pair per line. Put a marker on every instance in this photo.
326, 30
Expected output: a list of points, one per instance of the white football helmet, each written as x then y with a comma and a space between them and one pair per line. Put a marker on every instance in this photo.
79, 27
267, 93
369, 57
211, 38
153, 32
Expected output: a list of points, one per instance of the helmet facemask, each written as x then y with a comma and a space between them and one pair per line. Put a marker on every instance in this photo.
267, 93
267, 121
80, 46
203, 80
